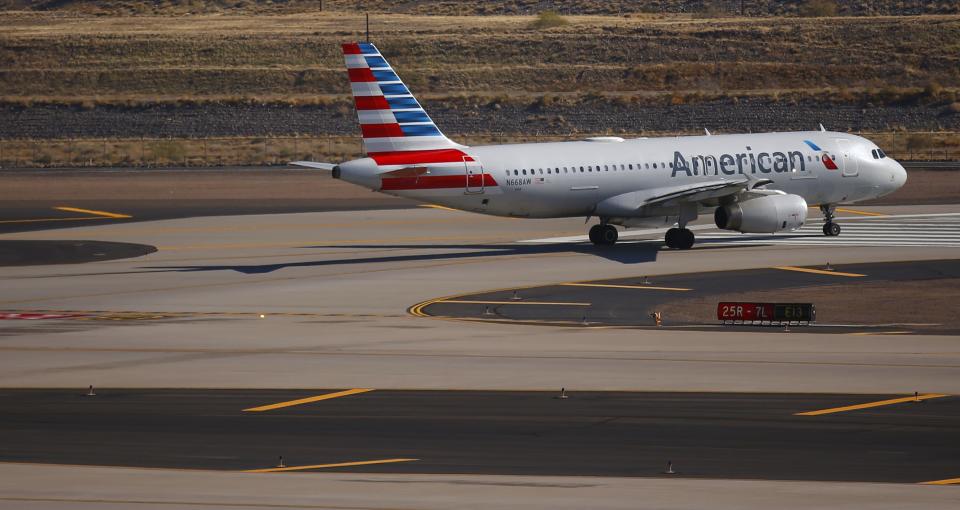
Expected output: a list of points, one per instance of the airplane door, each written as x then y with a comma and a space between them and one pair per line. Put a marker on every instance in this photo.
474, 175
849, 166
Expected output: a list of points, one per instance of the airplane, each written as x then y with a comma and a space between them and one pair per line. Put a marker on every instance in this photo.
753, 183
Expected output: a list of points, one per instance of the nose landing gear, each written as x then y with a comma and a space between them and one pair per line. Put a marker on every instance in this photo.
830, 228
603, 234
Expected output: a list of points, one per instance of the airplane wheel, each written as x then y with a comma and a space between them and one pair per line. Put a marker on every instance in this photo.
671, 237
831, 229
685, 239
609, 235
595, 233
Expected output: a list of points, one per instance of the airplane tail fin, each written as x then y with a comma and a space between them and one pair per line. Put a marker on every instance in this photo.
391, 119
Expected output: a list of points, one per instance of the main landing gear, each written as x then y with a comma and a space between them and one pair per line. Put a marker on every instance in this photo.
830, 228
680, 238
606, 235
603, 234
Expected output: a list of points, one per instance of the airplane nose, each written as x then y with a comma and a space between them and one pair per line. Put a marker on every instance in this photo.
899, 175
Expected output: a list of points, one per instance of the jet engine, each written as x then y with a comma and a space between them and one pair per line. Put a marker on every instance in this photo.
764, 214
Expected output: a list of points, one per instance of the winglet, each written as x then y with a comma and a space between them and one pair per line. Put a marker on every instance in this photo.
822, 128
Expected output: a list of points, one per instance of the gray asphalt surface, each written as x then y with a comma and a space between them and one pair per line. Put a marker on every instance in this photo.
717, 435
29, 197
631, 307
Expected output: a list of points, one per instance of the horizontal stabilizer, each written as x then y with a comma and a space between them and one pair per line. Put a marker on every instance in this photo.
314, 164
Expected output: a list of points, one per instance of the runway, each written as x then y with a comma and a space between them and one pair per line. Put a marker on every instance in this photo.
333, 290
712, 435
258, 304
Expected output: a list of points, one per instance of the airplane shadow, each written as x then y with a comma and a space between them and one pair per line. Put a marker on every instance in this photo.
630, 252
627, 253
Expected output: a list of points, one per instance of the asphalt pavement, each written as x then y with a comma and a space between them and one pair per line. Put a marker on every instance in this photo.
631, 301
711, 435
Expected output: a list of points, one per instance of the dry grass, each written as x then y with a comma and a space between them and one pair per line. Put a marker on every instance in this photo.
296, 57
175, 152
491, 7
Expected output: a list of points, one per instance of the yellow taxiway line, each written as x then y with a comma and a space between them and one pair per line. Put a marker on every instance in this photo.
104, 214
441, 207
891, 401
41, 220
324, 466
307, 400
818, 271
97, 215
612, 286
473, 302
864, 213
948, 481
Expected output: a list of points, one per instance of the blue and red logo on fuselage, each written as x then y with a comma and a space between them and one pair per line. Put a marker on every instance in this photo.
824, 157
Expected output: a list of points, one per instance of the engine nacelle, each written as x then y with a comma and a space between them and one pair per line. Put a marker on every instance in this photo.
763, 215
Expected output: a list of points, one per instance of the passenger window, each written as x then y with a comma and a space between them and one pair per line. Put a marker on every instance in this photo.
524, 171
581, 169
630, 166
516, 172
671, 165
654, 165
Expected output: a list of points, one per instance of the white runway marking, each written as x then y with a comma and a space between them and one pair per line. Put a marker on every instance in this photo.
888, 231
934, 230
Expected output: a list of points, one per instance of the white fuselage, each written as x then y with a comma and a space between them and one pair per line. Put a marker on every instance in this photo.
564, 179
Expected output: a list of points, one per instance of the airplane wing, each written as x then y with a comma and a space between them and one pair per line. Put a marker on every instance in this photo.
698, 192
313, 164
629, 204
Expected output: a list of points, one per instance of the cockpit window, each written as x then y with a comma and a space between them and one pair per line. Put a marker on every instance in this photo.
881, 153
874, 154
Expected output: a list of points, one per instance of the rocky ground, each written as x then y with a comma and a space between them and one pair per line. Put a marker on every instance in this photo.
459, 117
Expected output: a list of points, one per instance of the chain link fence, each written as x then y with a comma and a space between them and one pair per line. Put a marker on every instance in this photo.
260, 151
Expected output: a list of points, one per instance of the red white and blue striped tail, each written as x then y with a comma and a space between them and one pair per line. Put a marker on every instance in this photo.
391, 119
